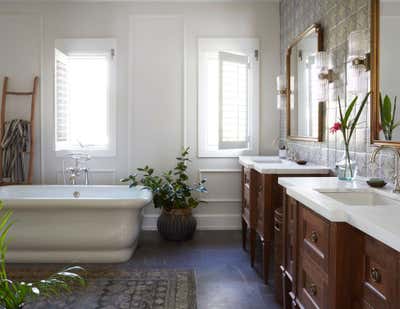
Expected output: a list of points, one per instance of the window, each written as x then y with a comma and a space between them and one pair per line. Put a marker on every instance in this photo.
228, 97
84, 96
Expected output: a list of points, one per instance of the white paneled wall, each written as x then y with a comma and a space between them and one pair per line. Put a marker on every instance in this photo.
155, 90
156, 84
20, 60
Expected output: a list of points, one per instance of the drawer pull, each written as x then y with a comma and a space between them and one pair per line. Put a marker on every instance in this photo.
312, 289
260, 188
314, 236
375, 275
277, 226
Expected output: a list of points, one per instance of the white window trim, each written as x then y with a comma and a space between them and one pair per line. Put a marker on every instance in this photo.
246, 46
82, 46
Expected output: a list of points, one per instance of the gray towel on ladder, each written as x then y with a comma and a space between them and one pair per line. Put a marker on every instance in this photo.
14, 146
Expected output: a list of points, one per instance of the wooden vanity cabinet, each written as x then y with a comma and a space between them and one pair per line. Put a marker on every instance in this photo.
262, 195
334, 265
379, 276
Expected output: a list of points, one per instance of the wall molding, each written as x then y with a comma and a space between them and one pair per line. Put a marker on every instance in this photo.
93, 172
217, 222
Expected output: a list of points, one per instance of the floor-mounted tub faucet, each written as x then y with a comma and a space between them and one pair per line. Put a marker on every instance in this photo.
396, 176
72, 173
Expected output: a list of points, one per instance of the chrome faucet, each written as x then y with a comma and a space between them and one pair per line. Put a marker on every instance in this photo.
396, 176
72, 173
75, 172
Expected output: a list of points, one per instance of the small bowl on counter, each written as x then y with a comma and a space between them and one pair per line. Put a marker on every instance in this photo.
376, 182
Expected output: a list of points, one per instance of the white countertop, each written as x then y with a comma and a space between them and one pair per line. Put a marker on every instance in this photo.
281, 166
379, 222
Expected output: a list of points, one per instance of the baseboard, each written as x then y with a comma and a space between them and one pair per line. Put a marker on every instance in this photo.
204, 222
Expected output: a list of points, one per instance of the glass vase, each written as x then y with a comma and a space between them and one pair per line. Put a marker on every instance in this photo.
346, 168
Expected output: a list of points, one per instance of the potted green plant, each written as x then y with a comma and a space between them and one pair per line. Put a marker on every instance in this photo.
173, 194
388, 115
15, 294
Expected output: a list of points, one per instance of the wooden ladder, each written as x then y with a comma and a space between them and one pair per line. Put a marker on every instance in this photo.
31, 153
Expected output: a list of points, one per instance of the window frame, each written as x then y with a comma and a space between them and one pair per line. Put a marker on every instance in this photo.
75, 47
244, 46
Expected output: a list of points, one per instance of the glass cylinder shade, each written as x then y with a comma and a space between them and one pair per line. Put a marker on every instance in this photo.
280, 87
323, 61
358, 44
281, 82
280, 101
323, 64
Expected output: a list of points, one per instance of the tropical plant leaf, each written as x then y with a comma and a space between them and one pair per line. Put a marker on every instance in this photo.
357, 117
387, 110
348, 112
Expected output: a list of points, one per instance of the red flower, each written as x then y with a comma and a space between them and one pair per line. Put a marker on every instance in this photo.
336, 127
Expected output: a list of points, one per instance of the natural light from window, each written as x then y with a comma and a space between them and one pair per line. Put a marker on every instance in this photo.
84, 86
228, 97
88, 82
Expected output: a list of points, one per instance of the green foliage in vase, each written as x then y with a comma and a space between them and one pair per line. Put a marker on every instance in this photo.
15, 294
388, 115
171, 190
347, 123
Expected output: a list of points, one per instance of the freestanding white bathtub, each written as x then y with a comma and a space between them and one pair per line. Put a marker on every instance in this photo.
86, 224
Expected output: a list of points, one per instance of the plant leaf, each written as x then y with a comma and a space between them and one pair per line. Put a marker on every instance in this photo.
363, 103
387, 109
348, 112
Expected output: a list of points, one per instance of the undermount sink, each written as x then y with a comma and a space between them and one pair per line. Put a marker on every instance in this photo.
360, 198
266, 160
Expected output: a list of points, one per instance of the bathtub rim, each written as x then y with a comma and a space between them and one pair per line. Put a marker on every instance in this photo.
114, 202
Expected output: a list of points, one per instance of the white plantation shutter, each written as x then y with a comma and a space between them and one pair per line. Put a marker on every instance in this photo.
61, 97
233, 101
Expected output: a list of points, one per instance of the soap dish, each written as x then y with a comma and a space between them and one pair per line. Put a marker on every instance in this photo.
301, 162
376, 183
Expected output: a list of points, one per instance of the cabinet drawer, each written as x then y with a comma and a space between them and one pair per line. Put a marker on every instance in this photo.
246, 205
313, 284
246, 177
291, 242
380, 275
260, 204
314, 233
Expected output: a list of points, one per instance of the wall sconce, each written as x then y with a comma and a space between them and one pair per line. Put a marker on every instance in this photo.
282, 90
359, 50
358, 61
324, 66
326, 75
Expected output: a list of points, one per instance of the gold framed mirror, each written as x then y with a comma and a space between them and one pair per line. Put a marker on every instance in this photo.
385, 117
304, 113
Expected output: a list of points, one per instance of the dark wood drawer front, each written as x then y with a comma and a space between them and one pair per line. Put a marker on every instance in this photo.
291, 245
313, 284
246, 205
260, 204
379, 275
246, 177
314, 233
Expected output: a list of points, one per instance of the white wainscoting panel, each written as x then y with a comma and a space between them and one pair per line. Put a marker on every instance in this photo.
222, 207
96, 177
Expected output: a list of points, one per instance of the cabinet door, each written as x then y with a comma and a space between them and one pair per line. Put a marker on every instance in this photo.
380, 276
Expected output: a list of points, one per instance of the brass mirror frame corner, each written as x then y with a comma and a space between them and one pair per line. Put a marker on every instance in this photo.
314, 28
375, 78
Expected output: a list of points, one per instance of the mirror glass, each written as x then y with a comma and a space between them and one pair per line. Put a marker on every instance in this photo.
302, 74
389, 71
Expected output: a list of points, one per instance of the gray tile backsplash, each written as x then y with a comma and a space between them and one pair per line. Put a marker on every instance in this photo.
338, 19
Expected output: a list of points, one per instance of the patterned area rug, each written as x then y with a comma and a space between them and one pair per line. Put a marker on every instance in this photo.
120, 289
